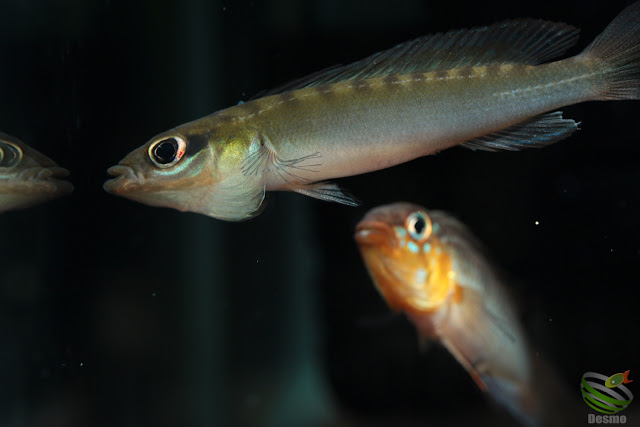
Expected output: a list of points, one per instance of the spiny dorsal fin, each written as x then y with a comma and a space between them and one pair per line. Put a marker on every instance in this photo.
522, 41
535, 132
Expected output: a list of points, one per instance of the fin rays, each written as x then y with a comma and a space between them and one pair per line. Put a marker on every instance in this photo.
522, 41
265, 159
535, 132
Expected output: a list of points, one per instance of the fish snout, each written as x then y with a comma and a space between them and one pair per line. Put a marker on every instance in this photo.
55, 175
118, 170
53, 172
46, 180
372, 232
124, 177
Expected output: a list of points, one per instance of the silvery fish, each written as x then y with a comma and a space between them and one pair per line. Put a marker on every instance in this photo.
488, 88
428, 265
28, 177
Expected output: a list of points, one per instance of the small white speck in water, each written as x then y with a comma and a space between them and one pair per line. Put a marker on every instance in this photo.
550, 319
154, 294
537, 222
81, 364
611, 249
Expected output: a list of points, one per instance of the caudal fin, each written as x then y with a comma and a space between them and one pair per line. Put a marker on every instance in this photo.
618, 49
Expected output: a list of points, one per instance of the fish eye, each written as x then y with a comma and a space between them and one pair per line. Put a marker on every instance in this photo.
419, 225
167, 151
10, 154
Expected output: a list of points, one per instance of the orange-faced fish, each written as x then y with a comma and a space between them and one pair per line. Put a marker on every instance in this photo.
428, 265
488, 88
28, 177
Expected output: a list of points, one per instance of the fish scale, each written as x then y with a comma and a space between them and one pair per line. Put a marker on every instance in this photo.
488, 88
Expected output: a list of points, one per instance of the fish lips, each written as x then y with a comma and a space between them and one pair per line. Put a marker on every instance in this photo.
46, 180
373, 233
125, 180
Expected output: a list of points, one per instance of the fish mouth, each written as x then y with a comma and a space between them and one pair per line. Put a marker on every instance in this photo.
125, 177
372, 233
47, 179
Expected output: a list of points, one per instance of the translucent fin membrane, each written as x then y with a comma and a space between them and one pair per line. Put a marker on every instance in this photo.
327, 191
618, 48
522, 41
536, 132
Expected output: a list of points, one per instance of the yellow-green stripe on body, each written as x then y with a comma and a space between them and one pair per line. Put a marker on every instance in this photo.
361, 126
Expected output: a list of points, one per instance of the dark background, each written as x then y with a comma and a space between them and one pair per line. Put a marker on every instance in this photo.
113, 313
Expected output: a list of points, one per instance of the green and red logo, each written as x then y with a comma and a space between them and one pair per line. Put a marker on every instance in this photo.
607, 395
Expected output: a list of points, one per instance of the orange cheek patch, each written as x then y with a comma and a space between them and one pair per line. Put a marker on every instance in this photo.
416, 283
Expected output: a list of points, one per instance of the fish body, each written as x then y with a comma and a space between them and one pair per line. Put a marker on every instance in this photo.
428, 266
615, 380
486, 88
28, 177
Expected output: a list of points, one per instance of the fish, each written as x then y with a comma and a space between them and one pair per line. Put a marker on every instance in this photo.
28, 177
616, 379
488, 88
428, 265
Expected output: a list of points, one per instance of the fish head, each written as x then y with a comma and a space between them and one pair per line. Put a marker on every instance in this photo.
28, 177
405, 257
187, 168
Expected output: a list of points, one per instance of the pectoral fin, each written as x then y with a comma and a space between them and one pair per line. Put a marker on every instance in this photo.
263, 159
291, 174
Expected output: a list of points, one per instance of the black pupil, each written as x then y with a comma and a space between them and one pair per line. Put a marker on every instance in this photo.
419, 225
165, 152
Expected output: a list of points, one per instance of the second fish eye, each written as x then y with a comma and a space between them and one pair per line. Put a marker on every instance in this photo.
167, 152
10, 155
418, 225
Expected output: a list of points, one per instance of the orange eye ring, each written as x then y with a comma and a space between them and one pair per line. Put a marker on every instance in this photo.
419, 226
167, 151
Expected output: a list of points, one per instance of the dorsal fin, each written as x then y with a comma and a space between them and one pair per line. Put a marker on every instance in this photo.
522, 41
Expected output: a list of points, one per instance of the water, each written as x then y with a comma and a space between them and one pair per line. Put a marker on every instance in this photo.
118, 314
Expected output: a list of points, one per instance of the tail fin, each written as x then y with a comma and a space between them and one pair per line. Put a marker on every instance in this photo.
618, 48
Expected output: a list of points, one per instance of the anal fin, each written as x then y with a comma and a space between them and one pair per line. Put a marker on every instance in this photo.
535, 132
327, 191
